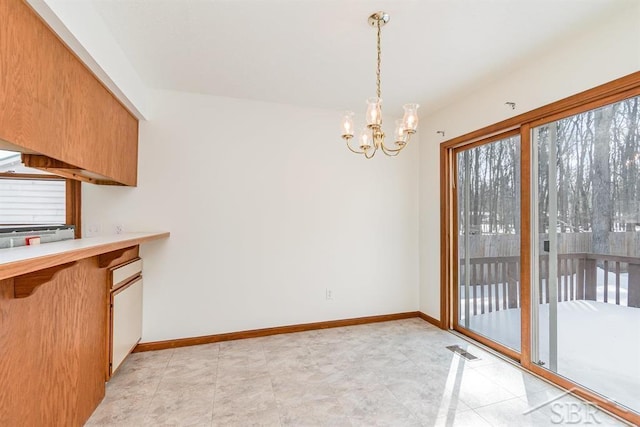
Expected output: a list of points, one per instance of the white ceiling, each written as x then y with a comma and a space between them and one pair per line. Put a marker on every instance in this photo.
321, 53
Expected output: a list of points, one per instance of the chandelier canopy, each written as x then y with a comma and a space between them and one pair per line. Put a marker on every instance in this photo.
372, 137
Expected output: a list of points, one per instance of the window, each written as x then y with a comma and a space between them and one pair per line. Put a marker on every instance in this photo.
32, 197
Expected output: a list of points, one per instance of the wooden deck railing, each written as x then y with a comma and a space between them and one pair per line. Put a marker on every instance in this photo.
495, 281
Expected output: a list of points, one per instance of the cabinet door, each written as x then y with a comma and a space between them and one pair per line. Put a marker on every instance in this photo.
53, 105
126, 321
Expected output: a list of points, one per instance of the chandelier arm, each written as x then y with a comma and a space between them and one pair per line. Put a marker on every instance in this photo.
390, 151
397, 150
352, 150
394, 150
408, 139
373, 153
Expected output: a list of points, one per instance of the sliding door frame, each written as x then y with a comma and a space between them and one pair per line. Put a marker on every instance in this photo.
608, 93
454, 245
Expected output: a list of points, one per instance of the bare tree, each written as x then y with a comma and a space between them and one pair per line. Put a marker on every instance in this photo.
601, 178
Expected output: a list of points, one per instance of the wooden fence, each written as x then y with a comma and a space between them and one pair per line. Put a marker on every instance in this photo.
491, 245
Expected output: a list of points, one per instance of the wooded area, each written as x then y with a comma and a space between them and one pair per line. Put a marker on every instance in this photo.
597, 178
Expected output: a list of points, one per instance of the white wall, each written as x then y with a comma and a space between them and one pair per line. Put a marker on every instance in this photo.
266, 209
603, 52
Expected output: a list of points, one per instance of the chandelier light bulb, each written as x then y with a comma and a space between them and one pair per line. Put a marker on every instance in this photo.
366, 139
400, 134
374, 112
372, 136
347, 124
410, 119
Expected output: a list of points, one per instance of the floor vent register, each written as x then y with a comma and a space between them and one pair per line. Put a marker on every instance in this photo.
462, 352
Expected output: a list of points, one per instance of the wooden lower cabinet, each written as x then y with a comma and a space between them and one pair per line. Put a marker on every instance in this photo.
52, 348
53, 336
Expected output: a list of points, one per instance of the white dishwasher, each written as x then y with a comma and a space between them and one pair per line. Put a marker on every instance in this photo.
126, 311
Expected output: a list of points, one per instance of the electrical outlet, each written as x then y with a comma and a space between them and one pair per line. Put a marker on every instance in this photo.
93, 229
329, 294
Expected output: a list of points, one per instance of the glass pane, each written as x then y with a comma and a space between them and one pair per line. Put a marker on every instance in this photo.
29, 201
32, 201
587, 298
488, 193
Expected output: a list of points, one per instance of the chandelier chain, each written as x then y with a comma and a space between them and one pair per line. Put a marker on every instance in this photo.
379, 56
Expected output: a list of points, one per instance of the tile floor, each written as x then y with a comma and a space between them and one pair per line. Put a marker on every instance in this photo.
384, 374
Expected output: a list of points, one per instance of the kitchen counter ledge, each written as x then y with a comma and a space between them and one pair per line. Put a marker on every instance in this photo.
27, 259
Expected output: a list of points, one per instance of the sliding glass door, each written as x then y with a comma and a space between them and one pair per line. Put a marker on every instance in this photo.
586, 255
487, 291
540, 241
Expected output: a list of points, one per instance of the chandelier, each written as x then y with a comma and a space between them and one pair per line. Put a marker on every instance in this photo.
372, 137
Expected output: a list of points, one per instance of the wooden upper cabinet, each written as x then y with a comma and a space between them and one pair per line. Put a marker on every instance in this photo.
52, 105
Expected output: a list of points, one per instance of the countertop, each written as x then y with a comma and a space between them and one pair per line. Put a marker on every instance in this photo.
27, 259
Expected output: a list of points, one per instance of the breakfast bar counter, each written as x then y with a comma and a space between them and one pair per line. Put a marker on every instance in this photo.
27, 259
56, 325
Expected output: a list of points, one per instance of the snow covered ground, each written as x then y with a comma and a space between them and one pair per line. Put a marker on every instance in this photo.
598, 344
